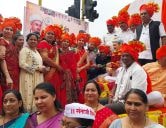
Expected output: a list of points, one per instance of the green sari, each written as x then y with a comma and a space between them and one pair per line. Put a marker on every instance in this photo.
18, 122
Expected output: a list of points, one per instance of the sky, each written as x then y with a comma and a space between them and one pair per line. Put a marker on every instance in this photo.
105, 8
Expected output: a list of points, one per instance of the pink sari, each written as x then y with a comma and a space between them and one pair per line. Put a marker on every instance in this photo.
53, 122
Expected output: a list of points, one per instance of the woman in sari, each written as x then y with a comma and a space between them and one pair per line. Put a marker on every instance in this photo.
13, 110
18, 42
68, 92
104, 116
32, 70
136, 106
82, 64
50, 55
10, 65
49, 114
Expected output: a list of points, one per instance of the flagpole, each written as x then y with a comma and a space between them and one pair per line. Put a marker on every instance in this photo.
40, 2
82, 9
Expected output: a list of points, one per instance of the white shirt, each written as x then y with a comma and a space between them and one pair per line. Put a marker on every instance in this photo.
126, 36
145, 38
107, 39
92, 57
133, 77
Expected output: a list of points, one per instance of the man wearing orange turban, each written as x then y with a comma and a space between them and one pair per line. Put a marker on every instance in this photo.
102, 58
111, 24
134, 21
157, 71
93, 43
131, 75
149, 32
125, 34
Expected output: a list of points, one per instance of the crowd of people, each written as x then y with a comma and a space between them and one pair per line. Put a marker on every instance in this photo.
51, 79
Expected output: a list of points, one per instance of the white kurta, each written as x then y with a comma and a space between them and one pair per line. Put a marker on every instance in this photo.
29, 61
126, 36
145, 38
133, 77
108, 38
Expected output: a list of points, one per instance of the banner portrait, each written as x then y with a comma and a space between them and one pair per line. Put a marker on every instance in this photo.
37, 17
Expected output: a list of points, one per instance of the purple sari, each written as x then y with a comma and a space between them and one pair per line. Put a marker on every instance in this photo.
53, 122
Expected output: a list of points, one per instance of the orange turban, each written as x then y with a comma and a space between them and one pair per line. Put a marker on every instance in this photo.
67, 37
73, 39
13, 22
17, 22
123, 16
150, 8
55, 28
161, 52
135, 19
95, 40
129, 49
9, 24
112, 21
104, 48
133, 48
83, 36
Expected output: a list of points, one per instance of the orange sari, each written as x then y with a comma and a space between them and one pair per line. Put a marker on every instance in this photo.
52, 76
81, 61
11, 58
68, 92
